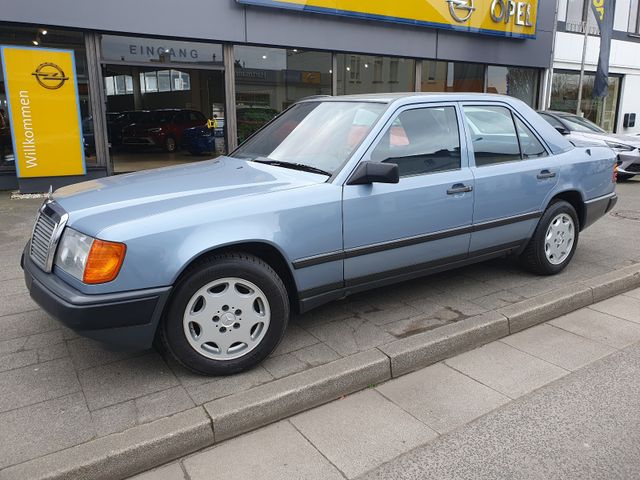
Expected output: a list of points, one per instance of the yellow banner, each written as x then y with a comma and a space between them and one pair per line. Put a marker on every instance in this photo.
44, 111
511, 18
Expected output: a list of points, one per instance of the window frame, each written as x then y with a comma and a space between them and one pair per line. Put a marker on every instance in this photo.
514, 115
462, 139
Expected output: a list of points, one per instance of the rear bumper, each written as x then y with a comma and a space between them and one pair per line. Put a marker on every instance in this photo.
598, 207
124, 319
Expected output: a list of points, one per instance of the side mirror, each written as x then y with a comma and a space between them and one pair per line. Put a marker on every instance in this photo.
375, 172
562, 130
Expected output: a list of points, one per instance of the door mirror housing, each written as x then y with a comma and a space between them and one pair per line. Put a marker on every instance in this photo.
375, 172
562, 130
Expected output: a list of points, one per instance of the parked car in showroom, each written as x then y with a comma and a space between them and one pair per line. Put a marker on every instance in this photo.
336, 195
580, 130
207, 139
161, 128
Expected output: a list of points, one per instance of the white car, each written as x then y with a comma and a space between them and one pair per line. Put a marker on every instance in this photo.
579, 130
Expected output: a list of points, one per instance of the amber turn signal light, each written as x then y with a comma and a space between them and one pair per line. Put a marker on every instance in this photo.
104, 261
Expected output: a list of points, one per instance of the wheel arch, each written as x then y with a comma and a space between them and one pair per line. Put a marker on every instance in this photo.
575, 199
266, 251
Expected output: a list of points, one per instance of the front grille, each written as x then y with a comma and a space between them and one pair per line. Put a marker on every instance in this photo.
46, 233
634, 167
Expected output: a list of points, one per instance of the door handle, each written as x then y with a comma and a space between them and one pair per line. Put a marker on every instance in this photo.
546, 174
459, 188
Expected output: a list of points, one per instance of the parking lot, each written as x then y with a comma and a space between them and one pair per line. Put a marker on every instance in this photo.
58, 390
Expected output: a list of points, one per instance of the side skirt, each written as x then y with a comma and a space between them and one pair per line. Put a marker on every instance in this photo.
310, 299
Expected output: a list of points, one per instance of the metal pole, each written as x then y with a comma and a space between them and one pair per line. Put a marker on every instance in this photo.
584, 54
230, 97
548, 84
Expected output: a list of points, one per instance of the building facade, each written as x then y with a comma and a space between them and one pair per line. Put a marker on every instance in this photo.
574, 16
150, 70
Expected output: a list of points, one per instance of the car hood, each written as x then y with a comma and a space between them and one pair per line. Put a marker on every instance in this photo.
612, 137
148, 192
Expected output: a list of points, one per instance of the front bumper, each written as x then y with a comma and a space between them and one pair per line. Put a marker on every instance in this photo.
598, 207
629, 163
123, 319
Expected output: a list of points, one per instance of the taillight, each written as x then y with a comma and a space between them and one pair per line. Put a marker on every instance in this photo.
615, 172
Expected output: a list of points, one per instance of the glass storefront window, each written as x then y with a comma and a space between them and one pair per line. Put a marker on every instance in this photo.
521, 83
40, 38
434, 76
370, 74
268, 80
564, 98
452, 77
162, 95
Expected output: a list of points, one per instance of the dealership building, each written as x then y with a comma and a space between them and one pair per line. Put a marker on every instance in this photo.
147, 71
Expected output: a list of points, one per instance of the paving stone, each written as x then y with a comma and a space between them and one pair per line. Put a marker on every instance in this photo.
17, 303
600, 327
351, 336
441, 397
125, 380
115, 418
14, 287
462, 285
27, 323
283, 365
558, 346
498, 299
42, 340
173, 471
621, 306
391, 313
277, 452
361, 431
412, 326
52, 352
295, 338
18, 359
460, 305
506, 369
12, 346
161, 404
331, 312
634, 293
37, 383
87, 353
315, 355
224, 386
11, 272
40, 429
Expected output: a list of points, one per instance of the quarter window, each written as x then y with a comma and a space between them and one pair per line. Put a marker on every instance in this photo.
529, 144
420, 141
493, 134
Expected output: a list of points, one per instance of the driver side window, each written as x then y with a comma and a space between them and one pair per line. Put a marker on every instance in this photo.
421, 141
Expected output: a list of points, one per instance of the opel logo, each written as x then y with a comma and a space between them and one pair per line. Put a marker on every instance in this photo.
461, 10
50, 76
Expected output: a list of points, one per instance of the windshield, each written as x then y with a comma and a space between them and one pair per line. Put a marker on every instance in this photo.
162, 116
322, 135
580, 124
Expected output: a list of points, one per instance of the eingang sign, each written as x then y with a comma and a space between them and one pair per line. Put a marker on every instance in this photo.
508, 18
44, 111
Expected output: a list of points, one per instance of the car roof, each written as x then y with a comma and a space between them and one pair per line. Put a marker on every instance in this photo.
411, 97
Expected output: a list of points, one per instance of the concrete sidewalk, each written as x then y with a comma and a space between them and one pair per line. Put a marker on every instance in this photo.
59, 391
351, 436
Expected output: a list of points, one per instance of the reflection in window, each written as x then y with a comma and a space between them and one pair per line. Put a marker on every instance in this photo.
529, 144
564, 98
517, 82
634, 13
374, 74
493, 134
579, 11
452, 77
421, 140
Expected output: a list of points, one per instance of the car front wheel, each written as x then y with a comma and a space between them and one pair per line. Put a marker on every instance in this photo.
554, 240
227, 314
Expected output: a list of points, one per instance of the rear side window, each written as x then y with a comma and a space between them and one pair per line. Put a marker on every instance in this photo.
421, 141
493, 134
529, 144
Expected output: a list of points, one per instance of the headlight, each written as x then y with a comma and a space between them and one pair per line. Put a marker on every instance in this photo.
154, 130
89, 259
620, 147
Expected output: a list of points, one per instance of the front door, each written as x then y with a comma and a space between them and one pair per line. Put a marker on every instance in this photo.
394, 230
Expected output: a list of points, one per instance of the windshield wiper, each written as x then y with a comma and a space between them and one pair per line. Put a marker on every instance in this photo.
291, 165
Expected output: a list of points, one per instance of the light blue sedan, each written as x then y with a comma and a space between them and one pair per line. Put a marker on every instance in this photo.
334, 196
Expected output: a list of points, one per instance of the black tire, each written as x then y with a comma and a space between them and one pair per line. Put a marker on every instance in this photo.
534, 257
170, 144
241, 265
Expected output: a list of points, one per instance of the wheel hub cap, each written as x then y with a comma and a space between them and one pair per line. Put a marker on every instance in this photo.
226, 319
559, 239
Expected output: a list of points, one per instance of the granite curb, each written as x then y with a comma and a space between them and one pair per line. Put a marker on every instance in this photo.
146, 446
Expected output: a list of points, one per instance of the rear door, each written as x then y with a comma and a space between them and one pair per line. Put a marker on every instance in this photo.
392, 230
514, 175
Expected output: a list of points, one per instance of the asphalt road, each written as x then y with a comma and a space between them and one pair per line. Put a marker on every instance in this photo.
584, 426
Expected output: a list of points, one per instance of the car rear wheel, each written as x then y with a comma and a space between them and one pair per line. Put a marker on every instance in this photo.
227, 314
554, 240
170, 144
